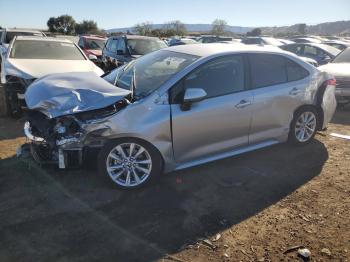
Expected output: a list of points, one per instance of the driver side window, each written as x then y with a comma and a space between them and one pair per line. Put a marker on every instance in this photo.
219, 77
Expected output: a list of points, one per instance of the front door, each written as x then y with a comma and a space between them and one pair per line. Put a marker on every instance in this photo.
220, 122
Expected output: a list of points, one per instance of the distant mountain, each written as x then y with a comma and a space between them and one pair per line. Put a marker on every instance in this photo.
189, 28
330, 28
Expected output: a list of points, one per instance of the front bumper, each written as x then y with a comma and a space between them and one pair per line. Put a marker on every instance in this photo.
62, 154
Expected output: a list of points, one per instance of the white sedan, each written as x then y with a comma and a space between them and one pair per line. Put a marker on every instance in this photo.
30, 58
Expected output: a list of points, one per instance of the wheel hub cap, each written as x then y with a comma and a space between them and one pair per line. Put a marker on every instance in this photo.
305, 126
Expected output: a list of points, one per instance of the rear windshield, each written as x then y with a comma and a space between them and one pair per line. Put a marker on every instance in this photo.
33, 49
11, 35
95, 44
343, 57
144, 46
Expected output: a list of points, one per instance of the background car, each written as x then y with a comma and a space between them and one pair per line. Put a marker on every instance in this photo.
205, 39
29, 58
92, 46
321, 53
122, 49
340, 68
182, 41
180, 107
262, 41
306, 40
341, 45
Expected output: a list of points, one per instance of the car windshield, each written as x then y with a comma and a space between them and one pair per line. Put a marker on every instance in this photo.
343, 57
151, 71
11, 35
95, 44
144, 46
34, 49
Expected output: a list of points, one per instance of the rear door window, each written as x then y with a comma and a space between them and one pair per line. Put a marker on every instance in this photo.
294, 71
267, 70
310, 50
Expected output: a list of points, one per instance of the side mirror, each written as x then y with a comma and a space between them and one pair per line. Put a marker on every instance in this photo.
192, 95
120, 52
92, 57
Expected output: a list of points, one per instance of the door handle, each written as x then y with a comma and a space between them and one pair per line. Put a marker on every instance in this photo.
295, 91
243, 103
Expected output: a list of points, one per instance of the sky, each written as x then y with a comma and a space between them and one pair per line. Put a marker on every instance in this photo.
126, 13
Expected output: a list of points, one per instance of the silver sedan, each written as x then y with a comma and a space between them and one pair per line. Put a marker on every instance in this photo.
176, 108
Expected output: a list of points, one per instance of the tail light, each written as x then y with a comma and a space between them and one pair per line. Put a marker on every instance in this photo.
331, 82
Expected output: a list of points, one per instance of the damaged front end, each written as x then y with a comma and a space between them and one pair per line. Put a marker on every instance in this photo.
66, 140
64, 123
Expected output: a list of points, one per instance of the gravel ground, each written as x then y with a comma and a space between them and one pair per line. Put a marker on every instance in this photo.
247, 208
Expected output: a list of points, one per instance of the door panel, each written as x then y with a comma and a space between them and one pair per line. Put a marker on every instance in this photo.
212, 126
278, 89
273, 109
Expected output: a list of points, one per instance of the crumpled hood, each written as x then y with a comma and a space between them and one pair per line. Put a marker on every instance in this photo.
340, 70
36, 68
62, 94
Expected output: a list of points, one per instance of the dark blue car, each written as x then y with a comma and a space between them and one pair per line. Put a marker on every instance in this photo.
122, 49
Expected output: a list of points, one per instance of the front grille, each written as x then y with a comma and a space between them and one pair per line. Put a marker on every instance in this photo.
343, 83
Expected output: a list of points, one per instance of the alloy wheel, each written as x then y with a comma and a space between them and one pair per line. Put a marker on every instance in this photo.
305, 126
129, 164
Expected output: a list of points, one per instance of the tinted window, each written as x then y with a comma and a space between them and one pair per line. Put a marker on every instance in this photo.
108, 45
95, 44
121, 45
32, 49
296, 49
0, 35
219, 77
295, 71
114, 45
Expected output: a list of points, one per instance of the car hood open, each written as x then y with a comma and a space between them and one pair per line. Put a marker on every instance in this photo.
68, 93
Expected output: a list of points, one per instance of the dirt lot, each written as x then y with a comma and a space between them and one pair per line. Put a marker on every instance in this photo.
255, 206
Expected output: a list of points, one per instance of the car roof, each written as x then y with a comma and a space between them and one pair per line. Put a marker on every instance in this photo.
219, 48
43, 38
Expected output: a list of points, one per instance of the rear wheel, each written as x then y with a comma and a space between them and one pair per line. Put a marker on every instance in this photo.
304, 126
130, 163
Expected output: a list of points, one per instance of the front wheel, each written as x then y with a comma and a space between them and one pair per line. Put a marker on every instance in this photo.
304, 126
129, 163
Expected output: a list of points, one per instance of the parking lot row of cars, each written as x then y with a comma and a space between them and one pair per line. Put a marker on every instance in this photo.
162, 108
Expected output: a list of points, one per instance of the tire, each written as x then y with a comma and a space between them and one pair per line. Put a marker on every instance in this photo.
129, 171
304, 126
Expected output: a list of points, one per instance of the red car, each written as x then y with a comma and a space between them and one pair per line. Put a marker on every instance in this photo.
92, 45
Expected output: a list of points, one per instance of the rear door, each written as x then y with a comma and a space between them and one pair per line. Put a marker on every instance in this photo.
279, 86
220, 122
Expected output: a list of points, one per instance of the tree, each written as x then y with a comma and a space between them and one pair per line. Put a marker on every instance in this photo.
173, 28
64, 24
87, 27
254, 32
218, 27
302, 29
144, 28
